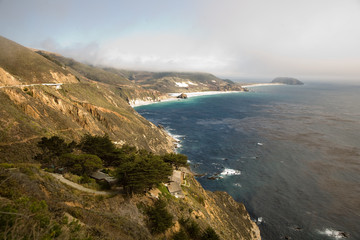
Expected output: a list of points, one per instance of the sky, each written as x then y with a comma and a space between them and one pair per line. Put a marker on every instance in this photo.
229, 38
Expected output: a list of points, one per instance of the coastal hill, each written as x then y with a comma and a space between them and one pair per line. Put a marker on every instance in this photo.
287, 80
33, 107
159, 83
43, 95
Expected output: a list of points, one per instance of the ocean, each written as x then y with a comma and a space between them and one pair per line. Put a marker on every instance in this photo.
291, 154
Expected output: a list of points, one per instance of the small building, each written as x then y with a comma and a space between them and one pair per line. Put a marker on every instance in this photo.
100, 176
174, 185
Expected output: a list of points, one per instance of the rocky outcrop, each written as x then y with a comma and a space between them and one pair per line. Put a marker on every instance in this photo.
182, 96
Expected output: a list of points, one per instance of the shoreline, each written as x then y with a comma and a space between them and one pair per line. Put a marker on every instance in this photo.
173, 97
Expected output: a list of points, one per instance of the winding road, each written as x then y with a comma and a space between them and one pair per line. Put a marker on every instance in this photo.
77, 186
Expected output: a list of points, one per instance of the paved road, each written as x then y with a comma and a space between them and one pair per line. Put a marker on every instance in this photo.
35, 84
78, 186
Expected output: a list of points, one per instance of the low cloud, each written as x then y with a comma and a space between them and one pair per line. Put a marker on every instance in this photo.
238, 38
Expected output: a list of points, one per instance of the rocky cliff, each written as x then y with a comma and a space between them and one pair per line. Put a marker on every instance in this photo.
32, 107
83, 215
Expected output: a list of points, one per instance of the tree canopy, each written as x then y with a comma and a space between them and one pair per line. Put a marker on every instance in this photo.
143, 172
52, 148
177, 159
82, 164
100, 146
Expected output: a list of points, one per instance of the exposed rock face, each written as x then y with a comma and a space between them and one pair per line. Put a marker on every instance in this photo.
217, 209
30, 110
287, 80
182, 96
71, 112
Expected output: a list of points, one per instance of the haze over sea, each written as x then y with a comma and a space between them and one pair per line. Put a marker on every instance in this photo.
291, 154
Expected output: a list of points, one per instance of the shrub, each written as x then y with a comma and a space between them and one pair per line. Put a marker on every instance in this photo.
159, 218
191, 227
210, 234
181, 235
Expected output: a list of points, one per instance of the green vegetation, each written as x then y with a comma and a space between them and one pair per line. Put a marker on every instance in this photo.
82, 164
164, 191
28, 218
52, 148
191, 230
137, 170
100, 146
176, 159
159, 218
143, 172
209, 234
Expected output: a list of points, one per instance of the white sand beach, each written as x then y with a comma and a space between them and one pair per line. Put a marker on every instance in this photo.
173, 96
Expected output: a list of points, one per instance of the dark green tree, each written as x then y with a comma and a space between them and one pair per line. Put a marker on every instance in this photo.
143, 172
210, 234
52, 148
176, 159
191, 227
100, 146
83, 164
181, 235
159, 218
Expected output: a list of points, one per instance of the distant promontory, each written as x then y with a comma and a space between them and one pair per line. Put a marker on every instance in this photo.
287, 80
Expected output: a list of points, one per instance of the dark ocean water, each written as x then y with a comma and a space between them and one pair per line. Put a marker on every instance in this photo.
291, 154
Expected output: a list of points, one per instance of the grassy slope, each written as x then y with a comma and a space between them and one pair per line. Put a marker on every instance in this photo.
25, 65
88, 71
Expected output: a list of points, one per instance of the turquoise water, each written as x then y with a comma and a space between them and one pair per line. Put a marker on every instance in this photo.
291, 154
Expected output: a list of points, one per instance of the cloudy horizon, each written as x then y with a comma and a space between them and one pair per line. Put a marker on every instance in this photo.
234, 38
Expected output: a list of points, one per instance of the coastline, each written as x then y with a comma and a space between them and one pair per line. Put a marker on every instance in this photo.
173, 97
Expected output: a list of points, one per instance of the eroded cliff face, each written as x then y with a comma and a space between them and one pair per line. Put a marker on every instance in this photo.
72, 111
6, 79
218, 209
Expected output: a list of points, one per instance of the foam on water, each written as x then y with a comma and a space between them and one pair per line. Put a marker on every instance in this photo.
229, 172
337, 234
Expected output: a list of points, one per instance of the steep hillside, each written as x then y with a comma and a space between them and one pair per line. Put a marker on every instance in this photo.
27, 67
73, 214
169, 82
128, 90
41, 96
141, 85
72, 108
